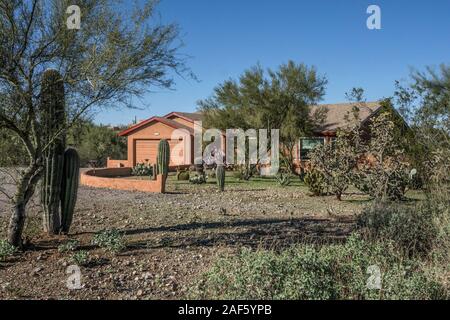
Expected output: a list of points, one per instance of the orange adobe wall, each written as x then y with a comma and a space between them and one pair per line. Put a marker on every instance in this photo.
112, 178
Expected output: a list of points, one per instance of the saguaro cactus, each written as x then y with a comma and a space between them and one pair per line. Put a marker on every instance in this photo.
163, 157
220, 176
53, 141
69, 187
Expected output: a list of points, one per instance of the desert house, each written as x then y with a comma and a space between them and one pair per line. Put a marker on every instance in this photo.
143, 138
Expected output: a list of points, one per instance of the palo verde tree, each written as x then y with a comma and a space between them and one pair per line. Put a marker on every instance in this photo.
116, 54
276, 99
425, 103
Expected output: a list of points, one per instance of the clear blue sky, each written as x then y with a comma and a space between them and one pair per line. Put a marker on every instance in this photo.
226, 37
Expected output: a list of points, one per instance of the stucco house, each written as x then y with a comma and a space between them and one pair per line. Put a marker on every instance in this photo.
143, 138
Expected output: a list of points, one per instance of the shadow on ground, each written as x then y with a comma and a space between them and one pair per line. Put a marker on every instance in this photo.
266, 233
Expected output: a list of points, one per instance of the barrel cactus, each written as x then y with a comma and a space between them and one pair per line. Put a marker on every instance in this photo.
69, 187
163, 157
52, 116
220, 176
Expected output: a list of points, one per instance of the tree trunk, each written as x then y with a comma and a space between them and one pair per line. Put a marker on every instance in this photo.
16, 224
25, 190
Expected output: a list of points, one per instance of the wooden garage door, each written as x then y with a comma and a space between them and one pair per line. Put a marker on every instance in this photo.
147, 150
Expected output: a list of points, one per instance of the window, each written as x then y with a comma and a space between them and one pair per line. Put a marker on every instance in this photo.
307, 144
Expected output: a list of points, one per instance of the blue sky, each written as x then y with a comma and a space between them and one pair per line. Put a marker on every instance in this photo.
226, 37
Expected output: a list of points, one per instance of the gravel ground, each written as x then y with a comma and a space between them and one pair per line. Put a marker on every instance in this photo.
170, 238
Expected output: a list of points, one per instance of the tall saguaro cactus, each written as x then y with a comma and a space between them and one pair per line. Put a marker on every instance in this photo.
69, 187
52, 111
163, 157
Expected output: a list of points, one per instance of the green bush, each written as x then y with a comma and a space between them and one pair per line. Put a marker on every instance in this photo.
69, 246
212, 174
183, 175
315, 182
283, 178
111, 240
238, 175
317, 272
6, 250
80, 258
198, 179
416, 230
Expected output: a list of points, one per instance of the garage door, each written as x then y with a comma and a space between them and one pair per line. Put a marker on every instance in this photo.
147, 151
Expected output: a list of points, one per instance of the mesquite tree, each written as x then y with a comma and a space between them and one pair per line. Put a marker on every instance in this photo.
116, 54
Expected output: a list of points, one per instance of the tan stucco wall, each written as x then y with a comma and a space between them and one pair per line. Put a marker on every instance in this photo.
154, 131
110, 178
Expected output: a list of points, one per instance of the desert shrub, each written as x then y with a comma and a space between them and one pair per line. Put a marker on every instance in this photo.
238, 175
415, 180
317, 272
336, 162
183, 175
383, 183
69, 246
198, 179
385, 173
416, 230
80, 258
315, 182
142, 169
111, 240
284, 178
6, 250
244, 172
212, 174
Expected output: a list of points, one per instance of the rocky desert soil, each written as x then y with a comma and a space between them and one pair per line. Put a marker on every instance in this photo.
170, 238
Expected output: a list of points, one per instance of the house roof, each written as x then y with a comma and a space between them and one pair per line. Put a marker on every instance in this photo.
335, 114
168, 122
189, 116
334, 117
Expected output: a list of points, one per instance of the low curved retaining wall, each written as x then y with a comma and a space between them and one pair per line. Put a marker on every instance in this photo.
112, 178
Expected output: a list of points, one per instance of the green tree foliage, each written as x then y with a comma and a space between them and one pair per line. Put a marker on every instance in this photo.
98, 142
425, 103
384, 172
117, 54
276, 99
12, 151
